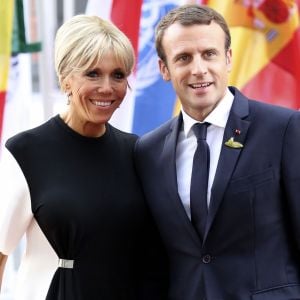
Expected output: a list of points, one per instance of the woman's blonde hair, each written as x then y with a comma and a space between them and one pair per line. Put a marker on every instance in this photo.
83, 40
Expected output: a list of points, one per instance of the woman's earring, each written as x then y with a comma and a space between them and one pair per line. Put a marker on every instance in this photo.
68, 99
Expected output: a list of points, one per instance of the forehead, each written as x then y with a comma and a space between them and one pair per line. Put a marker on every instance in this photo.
178, 37
108, 60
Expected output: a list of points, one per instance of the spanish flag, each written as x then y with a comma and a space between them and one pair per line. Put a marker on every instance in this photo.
6, 25
266, 48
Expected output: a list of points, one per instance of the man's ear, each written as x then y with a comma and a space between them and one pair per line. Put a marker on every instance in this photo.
229, 59
164, 70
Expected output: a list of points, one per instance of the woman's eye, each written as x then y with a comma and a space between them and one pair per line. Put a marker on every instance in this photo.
92, 74
119, 75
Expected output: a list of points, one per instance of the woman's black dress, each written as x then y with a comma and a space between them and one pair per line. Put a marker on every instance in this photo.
88, 202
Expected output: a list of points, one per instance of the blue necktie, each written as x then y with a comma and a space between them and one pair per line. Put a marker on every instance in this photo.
199, 180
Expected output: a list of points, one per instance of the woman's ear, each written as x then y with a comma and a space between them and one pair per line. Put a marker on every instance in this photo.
66, 87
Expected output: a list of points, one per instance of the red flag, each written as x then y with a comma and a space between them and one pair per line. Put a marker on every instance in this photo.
122, 12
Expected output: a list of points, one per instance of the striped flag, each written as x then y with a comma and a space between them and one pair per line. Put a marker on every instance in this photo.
6, 25
15, 71
265, 43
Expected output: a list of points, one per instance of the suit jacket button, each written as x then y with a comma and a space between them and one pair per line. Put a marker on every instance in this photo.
206, 259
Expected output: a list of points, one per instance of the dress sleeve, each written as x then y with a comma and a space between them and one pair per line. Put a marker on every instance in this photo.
15, 204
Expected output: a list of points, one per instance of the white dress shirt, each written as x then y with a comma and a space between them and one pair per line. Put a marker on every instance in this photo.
187, 144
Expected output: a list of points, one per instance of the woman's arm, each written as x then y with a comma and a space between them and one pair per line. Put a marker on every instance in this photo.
15, 211
3, 259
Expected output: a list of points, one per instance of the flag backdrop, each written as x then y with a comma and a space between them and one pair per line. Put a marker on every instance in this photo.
13, 66
265, 45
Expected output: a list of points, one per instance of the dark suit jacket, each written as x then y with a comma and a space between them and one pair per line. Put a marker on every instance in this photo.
251, 245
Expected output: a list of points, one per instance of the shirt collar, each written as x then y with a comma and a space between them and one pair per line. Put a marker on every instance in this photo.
217, 117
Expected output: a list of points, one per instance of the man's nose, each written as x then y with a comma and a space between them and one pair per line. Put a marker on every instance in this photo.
199, 66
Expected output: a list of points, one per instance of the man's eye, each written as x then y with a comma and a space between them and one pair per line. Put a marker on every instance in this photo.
210, 53
183, 58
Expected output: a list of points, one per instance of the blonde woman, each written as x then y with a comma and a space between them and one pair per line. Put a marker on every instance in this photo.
71, 186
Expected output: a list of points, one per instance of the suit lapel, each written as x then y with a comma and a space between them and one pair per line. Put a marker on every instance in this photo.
236, 127
168, 157
168, 160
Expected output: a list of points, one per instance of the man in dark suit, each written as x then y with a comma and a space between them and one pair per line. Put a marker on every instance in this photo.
244, 242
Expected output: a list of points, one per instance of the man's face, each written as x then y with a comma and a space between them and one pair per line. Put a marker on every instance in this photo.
198, 66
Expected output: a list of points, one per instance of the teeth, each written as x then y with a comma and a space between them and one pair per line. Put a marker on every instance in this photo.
102, 103
200, 85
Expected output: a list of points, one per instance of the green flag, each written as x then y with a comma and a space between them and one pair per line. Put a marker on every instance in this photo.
19, 43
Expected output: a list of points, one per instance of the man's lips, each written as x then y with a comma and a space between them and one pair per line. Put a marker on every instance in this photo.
200, 85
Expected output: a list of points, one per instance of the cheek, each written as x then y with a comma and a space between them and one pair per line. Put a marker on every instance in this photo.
177, 75
221, 71
81, 95
121, 92
80, 90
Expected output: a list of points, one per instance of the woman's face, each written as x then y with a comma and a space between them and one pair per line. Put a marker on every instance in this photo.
95, 94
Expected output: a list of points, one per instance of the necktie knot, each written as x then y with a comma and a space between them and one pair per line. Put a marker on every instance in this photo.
200, 130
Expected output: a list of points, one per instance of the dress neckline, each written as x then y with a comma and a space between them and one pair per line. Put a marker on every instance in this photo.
59, 121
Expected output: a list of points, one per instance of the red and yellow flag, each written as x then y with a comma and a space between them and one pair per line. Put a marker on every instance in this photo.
266, 47
6, 24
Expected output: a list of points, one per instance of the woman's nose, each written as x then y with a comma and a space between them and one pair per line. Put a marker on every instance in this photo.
105, 85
